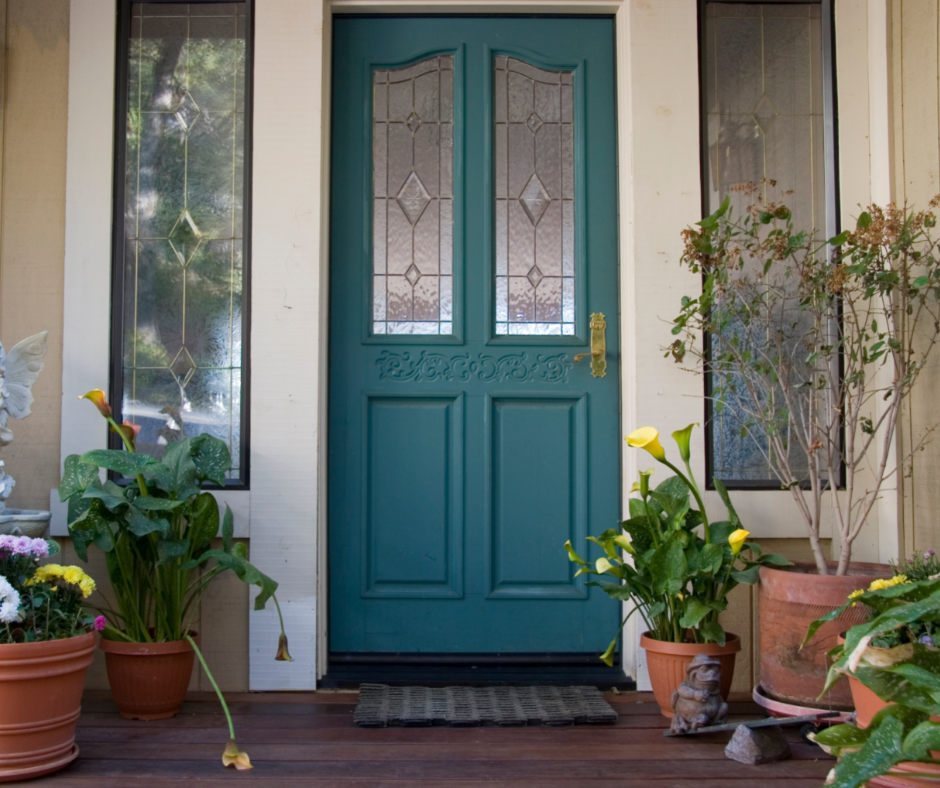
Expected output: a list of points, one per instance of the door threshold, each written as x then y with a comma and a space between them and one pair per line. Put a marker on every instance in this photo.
348, 671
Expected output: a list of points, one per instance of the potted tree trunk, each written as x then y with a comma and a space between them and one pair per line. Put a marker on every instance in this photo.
47, 642
156, 533
678, 571
814, 347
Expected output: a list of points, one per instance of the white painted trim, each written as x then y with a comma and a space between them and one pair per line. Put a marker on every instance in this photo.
88, 204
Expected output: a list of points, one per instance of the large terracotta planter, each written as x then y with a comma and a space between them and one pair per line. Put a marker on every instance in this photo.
40, 700
790, 600
667, 662
148, 680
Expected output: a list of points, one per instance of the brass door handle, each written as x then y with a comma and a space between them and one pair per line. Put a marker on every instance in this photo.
598, 354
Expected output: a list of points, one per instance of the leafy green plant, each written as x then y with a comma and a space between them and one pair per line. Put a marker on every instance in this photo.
815, 346
677, 576
156, 534
906, 675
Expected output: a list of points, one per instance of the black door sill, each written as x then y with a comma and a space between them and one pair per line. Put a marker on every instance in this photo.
348, 671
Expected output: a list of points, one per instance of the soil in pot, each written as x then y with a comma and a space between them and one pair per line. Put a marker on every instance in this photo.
149, 680
40, 701
790, 600
667, 663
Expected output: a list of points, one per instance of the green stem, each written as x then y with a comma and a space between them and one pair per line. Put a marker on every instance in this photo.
205, 667
130, 447
279, 616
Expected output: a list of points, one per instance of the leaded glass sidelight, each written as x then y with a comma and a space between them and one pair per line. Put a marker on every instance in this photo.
413, 214
183, 214
534, 127
768, 117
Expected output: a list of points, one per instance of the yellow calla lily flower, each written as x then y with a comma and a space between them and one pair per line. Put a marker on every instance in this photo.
603, 565
625, 543
234, 757
647, 438
98, 398
608, 656
737, 540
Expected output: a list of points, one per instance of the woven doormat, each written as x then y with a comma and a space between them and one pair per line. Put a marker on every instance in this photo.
380, 706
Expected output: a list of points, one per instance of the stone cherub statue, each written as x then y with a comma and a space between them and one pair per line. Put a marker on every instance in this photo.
698, 702
19, 369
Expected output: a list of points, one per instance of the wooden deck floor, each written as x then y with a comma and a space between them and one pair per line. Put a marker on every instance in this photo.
308, 739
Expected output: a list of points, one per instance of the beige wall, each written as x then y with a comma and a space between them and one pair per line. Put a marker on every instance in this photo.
915, 65
33, 128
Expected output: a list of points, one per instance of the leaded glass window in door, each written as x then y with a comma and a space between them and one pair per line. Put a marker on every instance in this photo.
413, 214
535, 206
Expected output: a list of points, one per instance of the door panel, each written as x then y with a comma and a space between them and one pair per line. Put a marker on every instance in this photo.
473, 233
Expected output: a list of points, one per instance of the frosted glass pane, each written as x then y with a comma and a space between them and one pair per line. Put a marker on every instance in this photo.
534, 174
763, 95
413, 150
183, 209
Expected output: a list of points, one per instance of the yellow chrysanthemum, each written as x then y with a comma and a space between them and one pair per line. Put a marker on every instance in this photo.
72, 575
897, 580
855, 595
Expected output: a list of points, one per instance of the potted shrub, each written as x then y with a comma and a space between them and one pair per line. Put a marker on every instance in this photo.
47, 642
156, 533
900, 745
814, 349
679, 571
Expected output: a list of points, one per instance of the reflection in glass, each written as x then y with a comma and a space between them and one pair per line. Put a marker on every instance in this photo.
534, 199
763, 93
413, 152
184, 197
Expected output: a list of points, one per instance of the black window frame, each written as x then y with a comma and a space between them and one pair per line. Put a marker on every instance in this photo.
831, 130
116, 383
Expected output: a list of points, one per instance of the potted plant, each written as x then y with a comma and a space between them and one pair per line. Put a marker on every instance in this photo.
47, 642
156, 533
899, 746
680, 570
813, 350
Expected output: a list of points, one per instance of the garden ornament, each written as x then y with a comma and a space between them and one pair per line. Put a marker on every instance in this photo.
697, 702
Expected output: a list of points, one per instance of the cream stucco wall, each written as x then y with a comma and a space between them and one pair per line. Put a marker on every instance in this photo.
915, 105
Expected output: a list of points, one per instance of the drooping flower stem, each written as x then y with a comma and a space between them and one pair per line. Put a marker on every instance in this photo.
218, 692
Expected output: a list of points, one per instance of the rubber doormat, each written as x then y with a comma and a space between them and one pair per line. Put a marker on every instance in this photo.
381, 706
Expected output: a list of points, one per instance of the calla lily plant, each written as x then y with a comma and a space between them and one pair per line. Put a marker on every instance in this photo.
156, 533
668, 559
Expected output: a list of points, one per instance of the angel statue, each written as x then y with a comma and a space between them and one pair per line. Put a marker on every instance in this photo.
18, 372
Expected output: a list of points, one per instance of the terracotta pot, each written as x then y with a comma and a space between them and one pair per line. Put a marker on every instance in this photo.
667, 661
40, 700
790, 600
149, 680
896, 779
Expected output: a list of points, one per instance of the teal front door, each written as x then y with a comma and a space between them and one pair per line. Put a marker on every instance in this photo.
474, 234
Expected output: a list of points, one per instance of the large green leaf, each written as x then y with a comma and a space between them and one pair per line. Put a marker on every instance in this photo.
640, 533
726, 499
838, 739
246, 572
713, 632
169, 549
707, 561
124, 462
212, 458
76, 477
878, 754
748, 576
109, 494
695, 611
924, 738
668, 567
91, 525
228, 529
204, 520
178, 460
140, 524
151, 504
674, 487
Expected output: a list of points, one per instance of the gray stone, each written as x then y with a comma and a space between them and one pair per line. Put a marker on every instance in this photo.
758, 745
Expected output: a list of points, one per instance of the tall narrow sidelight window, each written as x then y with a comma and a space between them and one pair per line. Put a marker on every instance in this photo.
181, 285
768, 115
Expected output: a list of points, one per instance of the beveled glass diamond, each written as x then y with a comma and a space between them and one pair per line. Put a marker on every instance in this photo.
534, 123
183, 367
534, 199
412, 274
413, 122
413, 198
765, 113
185, 237
187, 112
535, 276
